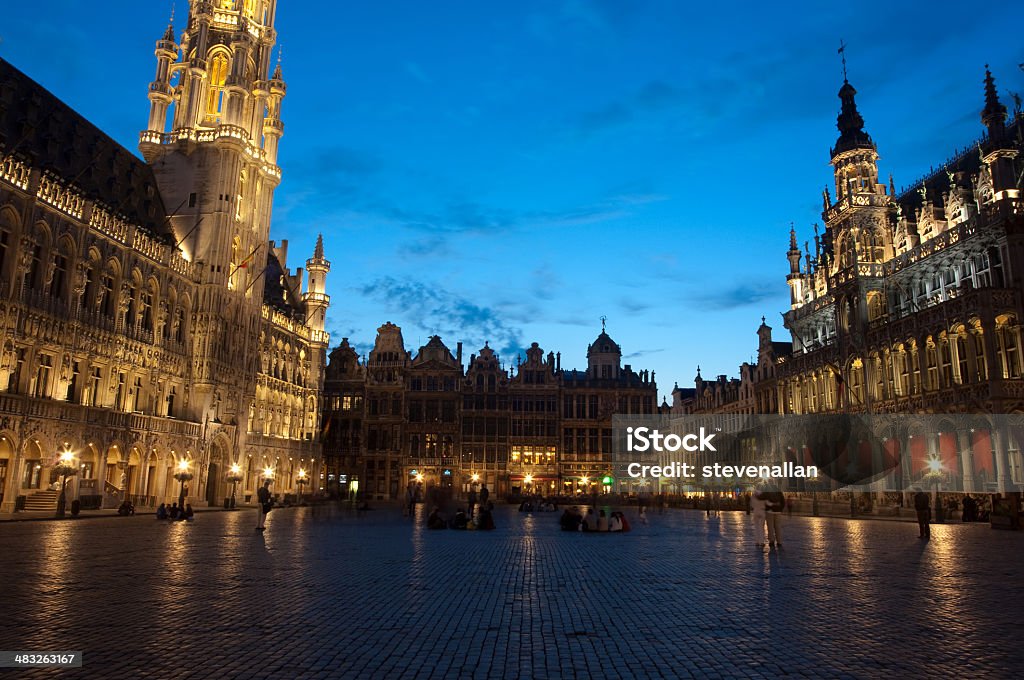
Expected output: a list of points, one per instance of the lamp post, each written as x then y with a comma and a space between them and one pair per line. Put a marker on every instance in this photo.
182, 475
66, 467
300, 482
234, 476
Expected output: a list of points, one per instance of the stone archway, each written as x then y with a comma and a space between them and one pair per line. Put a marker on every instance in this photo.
216, 484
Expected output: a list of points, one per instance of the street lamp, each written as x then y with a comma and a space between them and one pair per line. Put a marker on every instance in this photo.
182, 475
300, 482
234, 476
66, 467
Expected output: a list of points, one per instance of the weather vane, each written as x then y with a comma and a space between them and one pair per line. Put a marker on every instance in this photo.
842, 52
604, 320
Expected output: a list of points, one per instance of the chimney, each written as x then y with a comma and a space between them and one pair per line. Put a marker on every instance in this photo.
458, 353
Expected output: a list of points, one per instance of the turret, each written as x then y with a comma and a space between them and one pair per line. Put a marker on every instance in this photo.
315, 298
993, 116
160, 91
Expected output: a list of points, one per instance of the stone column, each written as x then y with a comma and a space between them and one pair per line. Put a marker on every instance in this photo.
1000, 442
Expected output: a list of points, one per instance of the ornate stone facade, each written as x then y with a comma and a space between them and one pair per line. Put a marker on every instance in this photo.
148, 324
532, 427
910, 303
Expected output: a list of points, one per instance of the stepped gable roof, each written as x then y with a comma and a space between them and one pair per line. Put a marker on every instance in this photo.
434, 351
44, 132
276, 293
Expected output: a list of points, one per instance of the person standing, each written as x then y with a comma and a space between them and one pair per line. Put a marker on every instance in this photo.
484, 495
410, 500
472, 499
776, 506
264, 502
759, 516
923, 506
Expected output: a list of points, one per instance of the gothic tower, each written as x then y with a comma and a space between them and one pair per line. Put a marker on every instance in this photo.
212, 137
857, 222
315, 298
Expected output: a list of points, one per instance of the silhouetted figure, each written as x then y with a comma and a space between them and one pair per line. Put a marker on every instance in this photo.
435, 520
486, 515
264, 502
923, 507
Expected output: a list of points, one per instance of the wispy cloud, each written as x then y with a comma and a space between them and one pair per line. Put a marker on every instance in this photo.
735, 295
417, 72
426, 247
642, 353
438, 311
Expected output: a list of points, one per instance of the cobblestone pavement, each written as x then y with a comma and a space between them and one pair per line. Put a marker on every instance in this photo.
328, 593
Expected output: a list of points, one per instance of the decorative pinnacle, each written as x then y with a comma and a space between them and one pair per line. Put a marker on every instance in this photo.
169, 33
993, 116
318, 252
792, 236
277, 69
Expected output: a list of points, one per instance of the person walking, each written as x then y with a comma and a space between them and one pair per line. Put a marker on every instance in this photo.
776, 506
923, 506
759, 516
264, 502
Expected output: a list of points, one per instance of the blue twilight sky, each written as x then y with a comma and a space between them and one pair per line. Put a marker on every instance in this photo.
513, 171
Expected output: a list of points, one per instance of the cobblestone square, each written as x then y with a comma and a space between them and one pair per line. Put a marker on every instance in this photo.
326, 592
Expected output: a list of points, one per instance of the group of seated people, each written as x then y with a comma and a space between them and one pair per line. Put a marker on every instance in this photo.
537, 505
574, 519
174, 512
126, 508
461, 520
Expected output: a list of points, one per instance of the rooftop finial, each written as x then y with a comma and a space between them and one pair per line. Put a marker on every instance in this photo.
169, 33
277, 69
842, 53
318, 252
993, 116
604, 321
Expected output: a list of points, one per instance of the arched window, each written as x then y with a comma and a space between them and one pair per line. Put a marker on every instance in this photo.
59, 282
35, 267
215, 88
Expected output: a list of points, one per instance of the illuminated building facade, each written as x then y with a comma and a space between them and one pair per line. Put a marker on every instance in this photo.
531, 428
149, 326
911, 303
